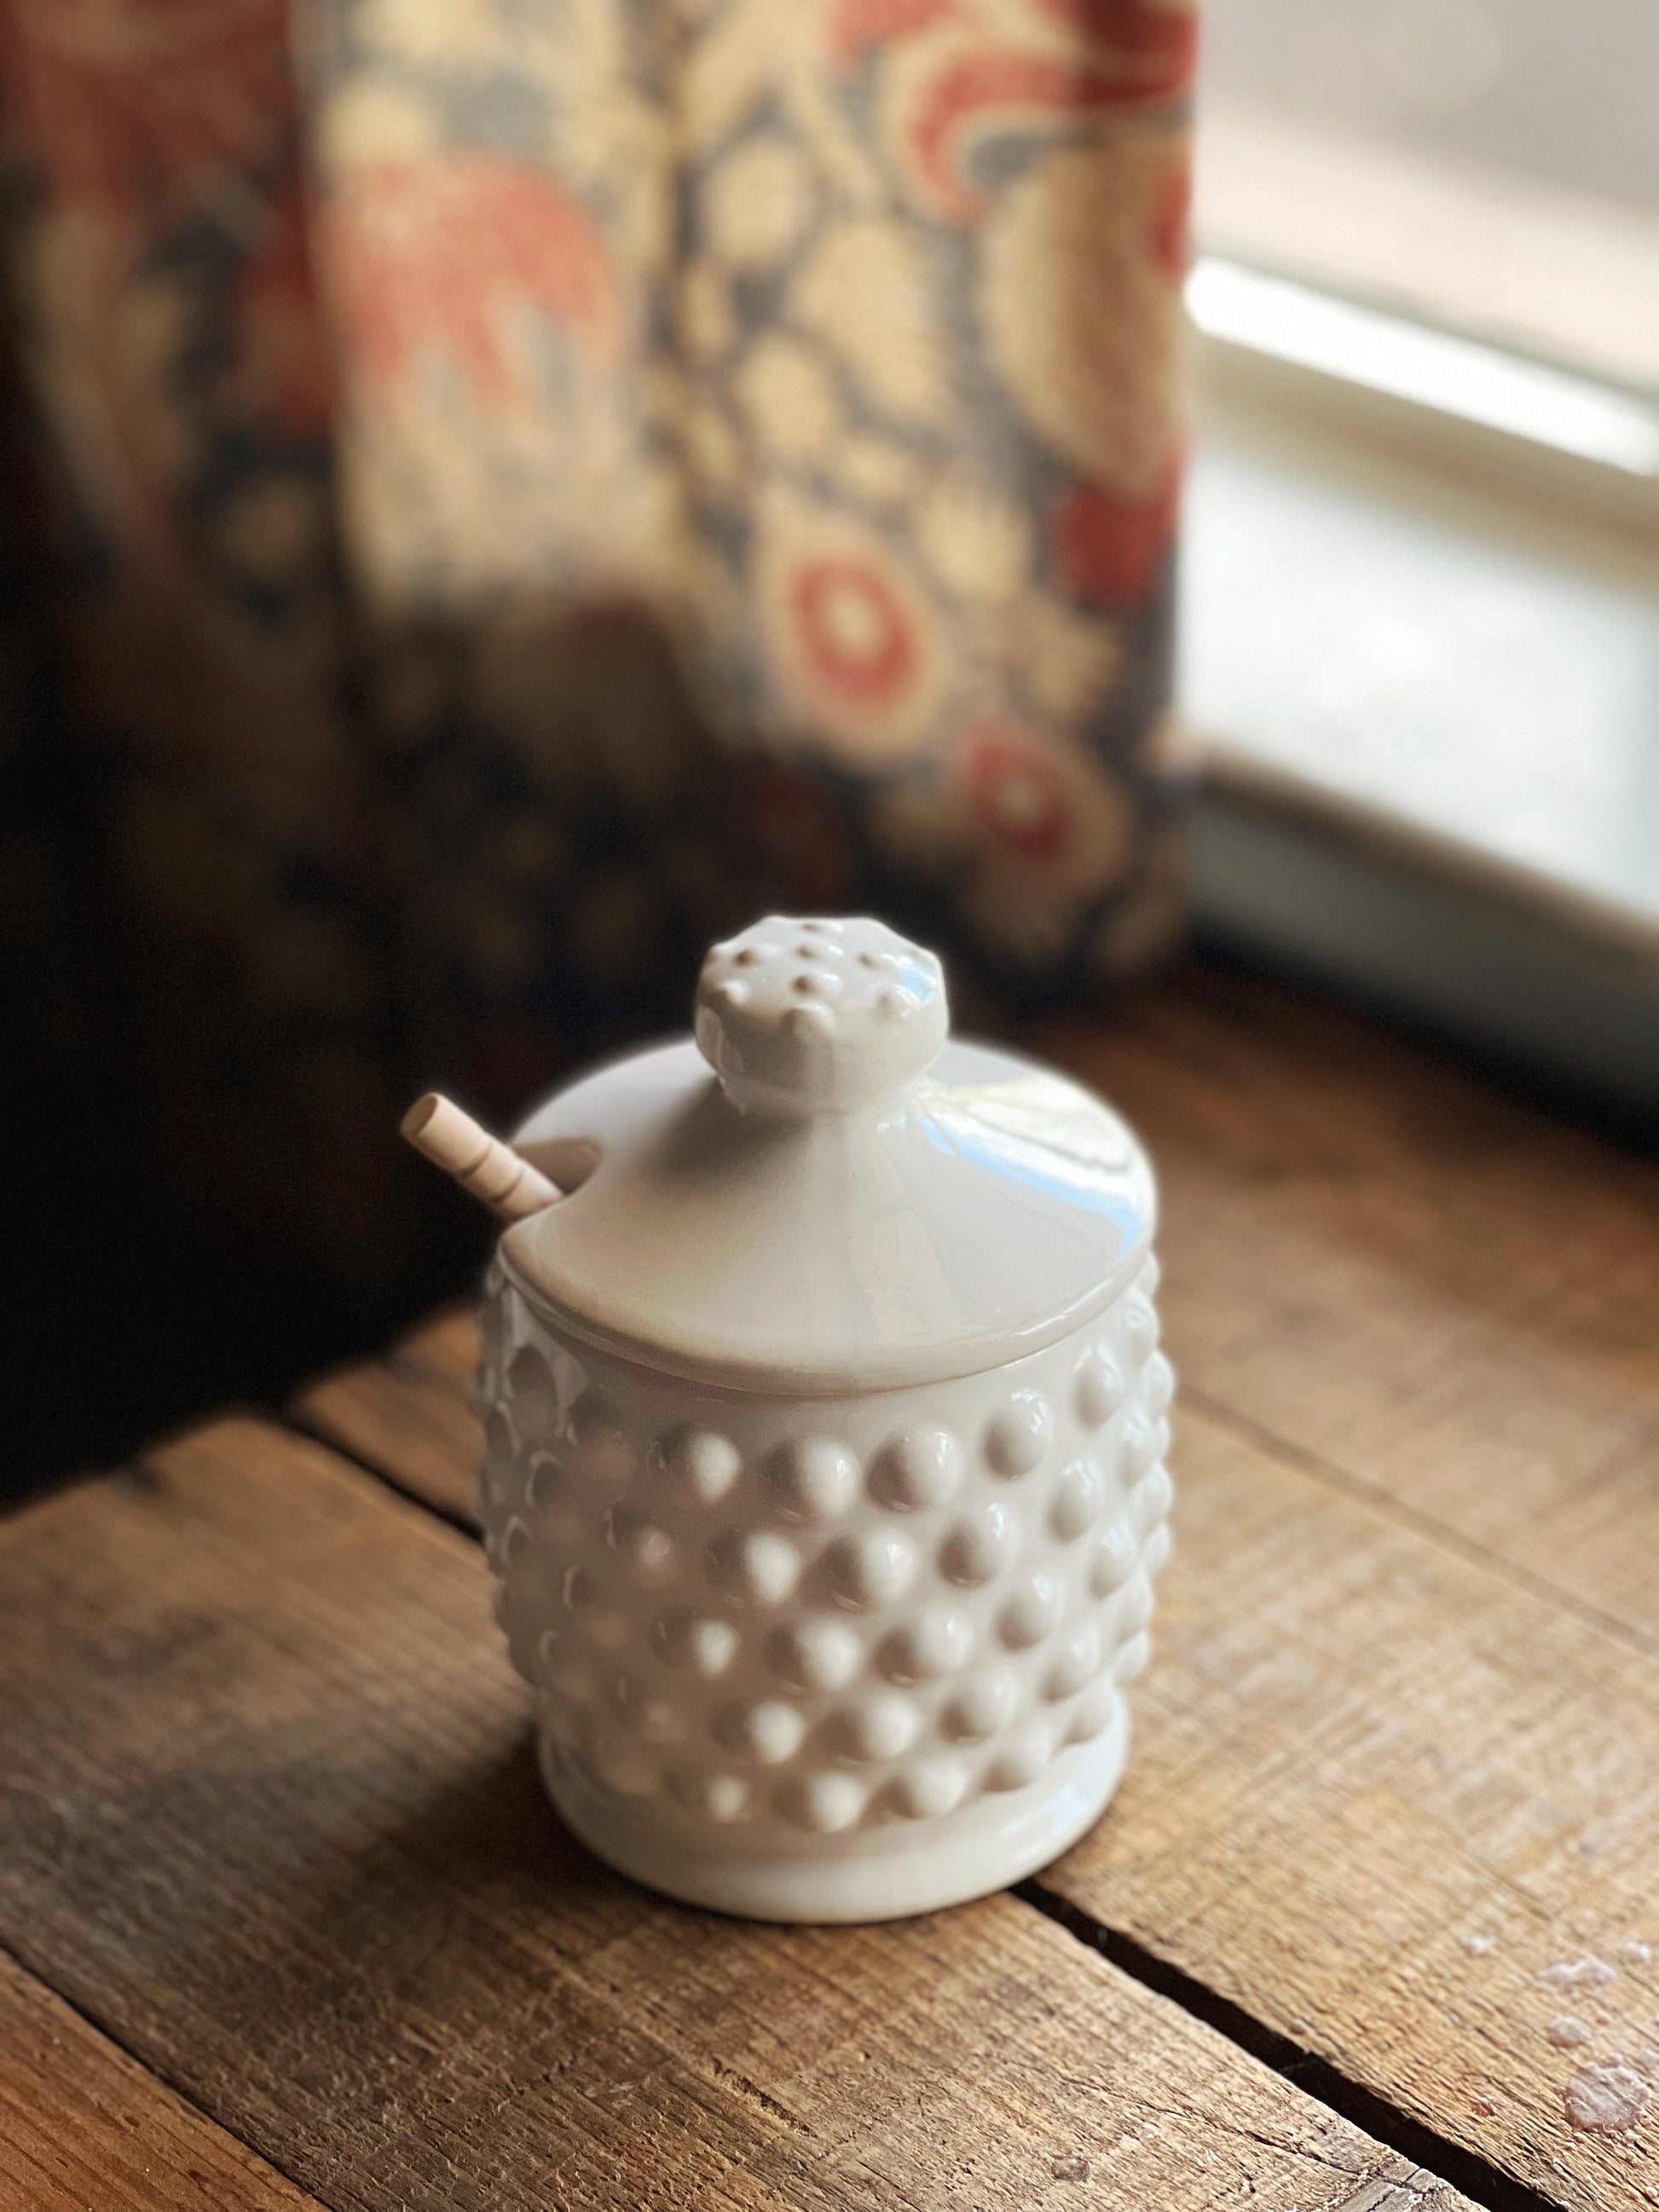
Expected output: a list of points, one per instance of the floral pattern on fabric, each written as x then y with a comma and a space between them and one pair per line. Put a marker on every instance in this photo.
748, 437
852, 333
159, 254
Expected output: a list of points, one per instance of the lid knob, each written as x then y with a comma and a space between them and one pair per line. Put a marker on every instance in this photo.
816, 1016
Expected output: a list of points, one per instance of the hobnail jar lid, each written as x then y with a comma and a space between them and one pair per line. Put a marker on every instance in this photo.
851, 1200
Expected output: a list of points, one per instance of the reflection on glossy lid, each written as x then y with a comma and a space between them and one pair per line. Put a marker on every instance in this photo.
825, 1198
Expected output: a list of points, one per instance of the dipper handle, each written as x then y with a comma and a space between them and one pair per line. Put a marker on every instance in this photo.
481, 1164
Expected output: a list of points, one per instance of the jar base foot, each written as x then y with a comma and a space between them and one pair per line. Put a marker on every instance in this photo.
884, 1872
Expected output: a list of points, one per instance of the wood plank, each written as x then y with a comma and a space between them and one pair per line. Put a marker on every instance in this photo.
83, 2125
1439, 1295
445, 1346
412, 1425
1359, 1757
299, 1854
1383, 1799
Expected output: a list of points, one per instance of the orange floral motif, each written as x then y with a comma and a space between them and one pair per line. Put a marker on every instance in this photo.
855, 635
153, 121
1112, 550
1037, 827
1016, 793
855, 644
444, 256
954, 95
854, 342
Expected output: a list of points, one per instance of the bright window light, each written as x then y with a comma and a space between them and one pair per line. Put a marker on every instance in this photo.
1457, 376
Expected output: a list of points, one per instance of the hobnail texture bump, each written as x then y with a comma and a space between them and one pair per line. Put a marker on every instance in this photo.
831, 1658
802, 1017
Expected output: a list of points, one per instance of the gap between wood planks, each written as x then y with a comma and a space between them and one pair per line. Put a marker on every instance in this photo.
213, 2156
1479, 2180
1366, 1730
1423, 2146
370, 1619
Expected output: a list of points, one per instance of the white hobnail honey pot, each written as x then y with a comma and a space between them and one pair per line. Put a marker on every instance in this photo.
825, 1437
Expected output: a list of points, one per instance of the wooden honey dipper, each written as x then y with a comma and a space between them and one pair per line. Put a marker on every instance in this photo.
481, 1164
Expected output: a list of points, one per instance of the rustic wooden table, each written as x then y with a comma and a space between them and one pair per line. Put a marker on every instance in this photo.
291, 1925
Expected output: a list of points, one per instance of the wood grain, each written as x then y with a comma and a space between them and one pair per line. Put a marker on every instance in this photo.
412, 1425
1438, 1295
84, 2129
1376, 1791
1388, 1287
281, 1824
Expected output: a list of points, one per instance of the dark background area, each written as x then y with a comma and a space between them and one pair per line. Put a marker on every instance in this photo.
123, 1311
122, 1316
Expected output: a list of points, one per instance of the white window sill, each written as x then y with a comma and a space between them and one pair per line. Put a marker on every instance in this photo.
1428, 707
1565, 276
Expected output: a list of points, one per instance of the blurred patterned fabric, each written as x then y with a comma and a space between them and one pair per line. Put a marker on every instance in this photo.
575, 471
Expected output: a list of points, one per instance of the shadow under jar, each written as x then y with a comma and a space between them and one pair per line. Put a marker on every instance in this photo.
825, 1443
